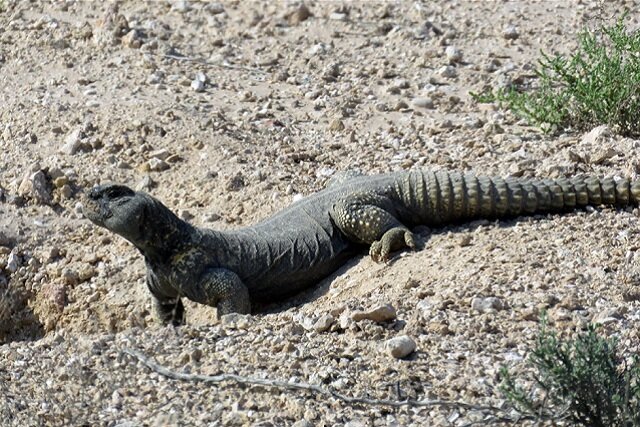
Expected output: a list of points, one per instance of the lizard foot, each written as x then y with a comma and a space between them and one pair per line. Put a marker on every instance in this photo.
392, 240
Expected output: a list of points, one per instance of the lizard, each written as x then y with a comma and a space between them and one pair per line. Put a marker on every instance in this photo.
307, 241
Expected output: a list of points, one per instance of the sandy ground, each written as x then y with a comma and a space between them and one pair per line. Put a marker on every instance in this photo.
228, 112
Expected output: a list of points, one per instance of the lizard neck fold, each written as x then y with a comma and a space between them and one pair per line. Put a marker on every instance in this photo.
162, 233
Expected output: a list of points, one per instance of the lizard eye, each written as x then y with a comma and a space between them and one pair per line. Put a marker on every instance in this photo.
116, 192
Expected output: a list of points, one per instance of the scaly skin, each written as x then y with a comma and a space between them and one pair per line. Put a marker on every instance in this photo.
304, 243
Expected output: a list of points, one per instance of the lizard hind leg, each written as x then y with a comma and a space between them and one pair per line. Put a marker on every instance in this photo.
392, 240
369, 218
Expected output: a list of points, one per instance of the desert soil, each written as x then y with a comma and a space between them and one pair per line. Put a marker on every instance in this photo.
228, 112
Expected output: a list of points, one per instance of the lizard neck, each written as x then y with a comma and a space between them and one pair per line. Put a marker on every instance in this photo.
163, 233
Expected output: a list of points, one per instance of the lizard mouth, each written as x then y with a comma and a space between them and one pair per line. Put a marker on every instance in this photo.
94, 210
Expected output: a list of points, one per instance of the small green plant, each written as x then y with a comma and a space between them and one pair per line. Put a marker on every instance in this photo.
582, 381
598, 84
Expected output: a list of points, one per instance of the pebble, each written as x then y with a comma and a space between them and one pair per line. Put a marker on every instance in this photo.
157, 165
453, 54
13, 262
423, 103
510, 32
161, 154
336, 125
197, 86
236, 321
380, 314
323, 323
132, 39
448, 71
338, 16
37, 187
73, 142
300, 14
181, 6
487, 304
401, 346
597, 135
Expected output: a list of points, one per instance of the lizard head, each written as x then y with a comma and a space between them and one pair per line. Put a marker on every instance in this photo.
116, 208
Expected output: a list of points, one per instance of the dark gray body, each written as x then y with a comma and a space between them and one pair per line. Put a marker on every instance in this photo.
310, 239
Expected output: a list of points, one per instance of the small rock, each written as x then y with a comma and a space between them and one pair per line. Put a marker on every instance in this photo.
196, 355
597, 135
132, 39
145, 184
302, 423
331, 72
181, 6
72, 143
70, 277
448, 71
300, 14
336, 125
465, 240
400, 347
197, 86
5, 240
214, 8
422, 103
603, 156
453, 54
235, 320
161, 154
13, 262
510, 33
66, 191
338, 16
235, 183
55, 293
157, 165
610, 315
383, 313
37, 187
323, 323
487, 305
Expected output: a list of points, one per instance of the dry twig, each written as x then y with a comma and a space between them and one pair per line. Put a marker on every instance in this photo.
166, 372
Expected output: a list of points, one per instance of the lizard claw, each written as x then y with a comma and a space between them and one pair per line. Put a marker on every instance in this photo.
393, 239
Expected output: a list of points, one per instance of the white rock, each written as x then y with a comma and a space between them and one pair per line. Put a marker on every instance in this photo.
197, 85
487, 305
400, 346
37, 187
597, 135
453, 54
13, 262
379, 314
157, 165
448, 71
323, 323
422, 102
72, 143
510, 33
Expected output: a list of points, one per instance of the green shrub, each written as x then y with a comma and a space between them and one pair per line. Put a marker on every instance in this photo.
582, 381
598, 84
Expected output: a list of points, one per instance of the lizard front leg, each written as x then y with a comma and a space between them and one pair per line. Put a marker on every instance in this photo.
222, 289
367, 217
166, 302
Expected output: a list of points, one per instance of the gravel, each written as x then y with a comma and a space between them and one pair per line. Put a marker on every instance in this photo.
229, 112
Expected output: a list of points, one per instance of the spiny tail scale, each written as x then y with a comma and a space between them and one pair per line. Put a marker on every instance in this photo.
443, 197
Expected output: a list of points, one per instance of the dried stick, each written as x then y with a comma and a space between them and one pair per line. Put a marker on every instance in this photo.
166, 372
211, 64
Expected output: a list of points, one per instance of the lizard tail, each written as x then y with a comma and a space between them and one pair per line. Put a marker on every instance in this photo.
436, 198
